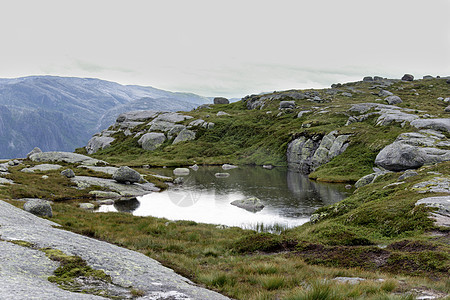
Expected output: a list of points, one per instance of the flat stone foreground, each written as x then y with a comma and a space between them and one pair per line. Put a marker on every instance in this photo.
24, 271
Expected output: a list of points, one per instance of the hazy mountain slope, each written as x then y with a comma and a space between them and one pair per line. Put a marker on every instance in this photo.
61, 113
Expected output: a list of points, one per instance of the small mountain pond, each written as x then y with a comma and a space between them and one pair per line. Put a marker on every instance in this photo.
289, 197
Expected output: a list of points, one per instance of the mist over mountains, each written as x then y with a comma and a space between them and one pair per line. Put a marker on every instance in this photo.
62, 113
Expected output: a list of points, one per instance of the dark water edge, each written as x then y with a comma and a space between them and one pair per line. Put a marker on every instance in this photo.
289, 197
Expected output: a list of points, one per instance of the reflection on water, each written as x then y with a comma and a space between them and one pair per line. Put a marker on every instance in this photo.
289, 197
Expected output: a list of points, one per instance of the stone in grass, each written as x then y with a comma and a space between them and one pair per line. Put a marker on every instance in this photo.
38, 207
87, 206
393, 100
126, 175
68, 173
181, 171
252, 204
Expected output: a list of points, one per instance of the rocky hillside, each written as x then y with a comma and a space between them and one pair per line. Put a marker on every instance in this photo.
57, 113
336, 134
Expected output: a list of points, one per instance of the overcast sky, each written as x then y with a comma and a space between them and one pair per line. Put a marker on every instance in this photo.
225, 48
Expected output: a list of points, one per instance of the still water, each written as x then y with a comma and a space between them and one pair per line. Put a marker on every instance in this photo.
289, 198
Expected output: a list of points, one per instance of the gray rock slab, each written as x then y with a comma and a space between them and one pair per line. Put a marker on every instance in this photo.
442, 124
126, 267
137, 115
106, 170
172, 117
42, 168
435, 185
68, 157
6, 181
442, 204
128, 190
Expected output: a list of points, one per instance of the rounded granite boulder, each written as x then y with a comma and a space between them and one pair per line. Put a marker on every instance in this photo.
126, 175
38, 207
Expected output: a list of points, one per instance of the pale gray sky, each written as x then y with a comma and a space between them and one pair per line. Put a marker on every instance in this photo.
225, 48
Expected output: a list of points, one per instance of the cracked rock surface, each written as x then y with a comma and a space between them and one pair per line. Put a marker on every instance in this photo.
24, 271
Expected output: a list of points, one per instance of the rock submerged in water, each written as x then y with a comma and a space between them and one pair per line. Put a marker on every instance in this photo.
222, 175
252, 204
38, 207
181, 171
126, 175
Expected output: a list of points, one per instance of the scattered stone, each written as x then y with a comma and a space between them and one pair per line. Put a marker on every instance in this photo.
181, 172
408, 77
222, 175
44, 177
384, 93
393, 100
368, 78
105, 202
407, 174
87, 206
152, 140
222, 113
6, 181
300, 114
184, 135
194, 167
104, 194
38, 207
126, 175
252, 204
287, 104
447, 109
228, 167
98, 143
346, 94
67, 157
349, 280
178, 180
68, 173
34, 151
221, 100
435, 185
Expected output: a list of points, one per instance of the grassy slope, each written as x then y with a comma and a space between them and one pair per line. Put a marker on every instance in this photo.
375, 230
259, 137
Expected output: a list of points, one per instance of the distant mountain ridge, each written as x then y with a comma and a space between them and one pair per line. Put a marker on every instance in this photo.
62, 113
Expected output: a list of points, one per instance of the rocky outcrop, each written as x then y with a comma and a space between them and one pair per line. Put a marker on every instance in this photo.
252, 204
126, 175
38, 207
34, 151
124, 190
393, 100
184, 135
98, 143
151, 141
387, 114
305, 154
67, 157
413, 150
436, 124
408, 77
441, 214
136, 116
221, 100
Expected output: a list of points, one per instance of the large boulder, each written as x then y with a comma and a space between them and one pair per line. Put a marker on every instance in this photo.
38, 207
252, 204
126, 175
408, 77
34, 151
97, 143
368, 78
287, 104
221, 100
393, 100
172, 117
69, 173
152, 140
159, 125
184, 135
400, 156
